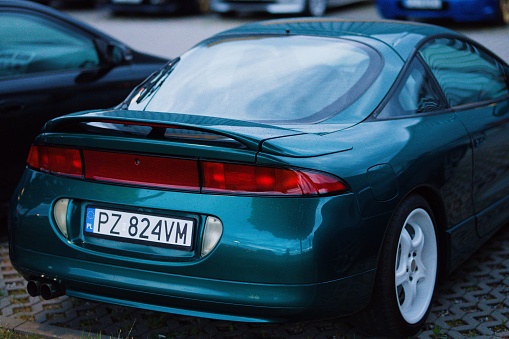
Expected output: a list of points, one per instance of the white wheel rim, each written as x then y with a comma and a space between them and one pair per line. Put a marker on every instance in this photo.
317, 7
416, 266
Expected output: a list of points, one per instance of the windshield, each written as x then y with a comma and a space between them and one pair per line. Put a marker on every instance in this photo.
268, 79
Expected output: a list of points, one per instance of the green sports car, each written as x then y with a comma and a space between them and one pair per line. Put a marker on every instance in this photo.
282, 170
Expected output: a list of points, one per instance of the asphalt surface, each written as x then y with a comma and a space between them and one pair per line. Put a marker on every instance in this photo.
472, 302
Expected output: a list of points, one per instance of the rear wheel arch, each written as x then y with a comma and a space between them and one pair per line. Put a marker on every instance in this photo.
401, 301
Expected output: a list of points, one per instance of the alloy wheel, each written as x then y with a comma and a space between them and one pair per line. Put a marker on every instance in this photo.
416, 266
317, 7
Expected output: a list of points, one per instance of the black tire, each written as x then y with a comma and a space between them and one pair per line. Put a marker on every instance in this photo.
503, 13
406, 275
197, 7
63, 4
228, 15
203, 6
316, 8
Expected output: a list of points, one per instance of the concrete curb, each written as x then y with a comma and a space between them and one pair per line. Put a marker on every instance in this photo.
45, 331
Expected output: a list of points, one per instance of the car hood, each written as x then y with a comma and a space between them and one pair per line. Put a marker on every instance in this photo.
293, 141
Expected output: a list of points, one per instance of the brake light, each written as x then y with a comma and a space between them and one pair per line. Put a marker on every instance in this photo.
186, 174
236, 178
56, 160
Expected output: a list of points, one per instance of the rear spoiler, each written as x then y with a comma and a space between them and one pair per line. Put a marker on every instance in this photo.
169, 126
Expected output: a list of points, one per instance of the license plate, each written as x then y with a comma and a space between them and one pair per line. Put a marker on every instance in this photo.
423, 4
140, 228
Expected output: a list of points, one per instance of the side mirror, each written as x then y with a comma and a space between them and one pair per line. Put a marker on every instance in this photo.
112, 54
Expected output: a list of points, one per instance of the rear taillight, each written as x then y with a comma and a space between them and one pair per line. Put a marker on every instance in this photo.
235, 178
185, 174
57, 160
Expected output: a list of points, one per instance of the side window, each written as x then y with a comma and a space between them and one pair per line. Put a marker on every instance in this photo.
30, 44
417, 93
466, 73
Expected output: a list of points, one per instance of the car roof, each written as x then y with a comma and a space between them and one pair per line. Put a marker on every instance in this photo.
403, 37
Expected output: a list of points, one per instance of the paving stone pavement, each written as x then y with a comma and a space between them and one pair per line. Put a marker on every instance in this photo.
473, 302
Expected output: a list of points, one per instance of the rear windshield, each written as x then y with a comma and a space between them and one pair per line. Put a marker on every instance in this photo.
267, 79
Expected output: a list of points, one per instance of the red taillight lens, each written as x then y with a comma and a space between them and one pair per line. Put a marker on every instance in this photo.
57, 160
142, 170
247, 179
188, 174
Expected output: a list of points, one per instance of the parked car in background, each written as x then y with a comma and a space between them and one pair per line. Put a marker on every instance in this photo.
283, 170
157, 6
65, 3
51, 64
301, 7
494, 11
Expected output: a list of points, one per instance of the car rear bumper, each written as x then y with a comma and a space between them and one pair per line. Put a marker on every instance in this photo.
460, 11
278, 258
280, 7
210, 298
145, 7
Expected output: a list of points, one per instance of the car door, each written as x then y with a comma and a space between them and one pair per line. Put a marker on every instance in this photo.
417, 97
50, 67
476, 87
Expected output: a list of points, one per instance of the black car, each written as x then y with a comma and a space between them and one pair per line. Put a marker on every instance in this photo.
158, 6
50, 65
65, 3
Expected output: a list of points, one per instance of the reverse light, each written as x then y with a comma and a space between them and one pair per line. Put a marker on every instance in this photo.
60, 215
212, 233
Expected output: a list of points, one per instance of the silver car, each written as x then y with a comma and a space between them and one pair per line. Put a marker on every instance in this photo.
305, 7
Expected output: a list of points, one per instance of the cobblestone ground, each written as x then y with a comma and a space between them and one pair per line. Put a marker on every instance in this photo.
473, 302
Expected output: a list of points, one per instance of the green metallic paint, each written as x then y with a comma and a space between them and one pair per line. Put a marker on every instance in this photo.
306, 231
491, 163
383, 183
149, 146
290, 237
279, 258
403, 37
298, 146
248, 133
223, 299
